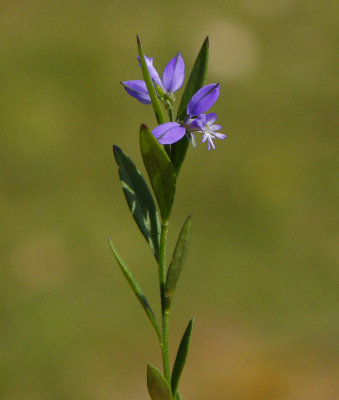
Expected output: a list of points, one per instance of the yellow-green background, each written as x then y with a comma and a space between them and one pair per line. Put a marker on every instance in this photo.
261, 275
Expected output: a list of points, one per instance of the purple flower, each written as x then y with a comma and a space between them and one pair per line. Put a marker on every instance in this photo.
196, 121
172, 79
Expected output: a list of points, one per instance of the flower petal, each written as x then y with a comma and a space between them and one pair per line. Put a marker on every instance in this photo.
211, 118
203, 99
195, 124
153, 72
169, 132
174, 74
149, 58
207, 137
138, 90
219, 135
215, 127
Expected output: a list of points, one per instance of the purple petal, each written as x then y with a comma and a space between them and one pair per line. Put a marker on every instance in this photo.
138, 90
174, 74
203, 99
219, 135
149, 58
215, 127
211, 118
202, 120
153, 72
169, 132
194, 124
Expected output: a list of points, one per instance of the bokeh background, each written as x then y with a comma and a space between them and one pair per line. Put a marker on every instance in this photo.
261, 275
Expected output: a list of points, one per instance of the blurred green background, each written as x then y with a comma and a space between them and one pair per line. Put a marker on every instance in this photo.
261, 275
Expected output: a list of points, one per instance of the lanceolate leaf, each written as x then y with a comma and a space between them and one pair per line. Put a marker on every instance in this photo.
136, 290
139, 199
195, 82
160, 171
181, 357
157, 385
178, 259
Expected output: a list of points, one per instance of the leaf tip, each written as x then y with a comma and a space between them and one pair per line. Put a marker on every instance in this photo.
116, 152
116, 148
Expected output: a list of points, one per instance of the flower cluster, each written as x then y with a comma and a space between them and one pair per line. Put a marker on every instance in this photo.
196, 120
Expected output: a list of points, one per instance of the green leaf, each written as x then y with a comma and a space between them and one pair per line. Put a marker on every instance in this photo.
157, 385
139, 199
149, 84
160, 171
181, 357
195, 82
136, 290
178, 259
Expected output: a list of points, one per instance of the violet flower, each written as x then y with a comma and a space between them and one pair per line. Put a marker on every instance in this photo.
172, 80
196, 121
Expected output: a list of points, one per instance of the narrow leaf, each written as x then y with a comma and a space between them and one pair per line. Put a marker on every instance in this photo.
194, 83
157, 385
178, 259
136, 290
139, 199
181, 357
150, 87
160, 171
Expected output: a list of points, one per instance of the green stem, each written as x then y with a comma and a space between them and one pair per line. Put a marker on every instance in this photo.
164, 309
164, 346
170, 114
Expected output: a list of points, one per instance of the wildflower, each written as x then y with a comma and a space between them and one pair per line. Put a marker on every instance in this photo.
196, 121
172, 80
